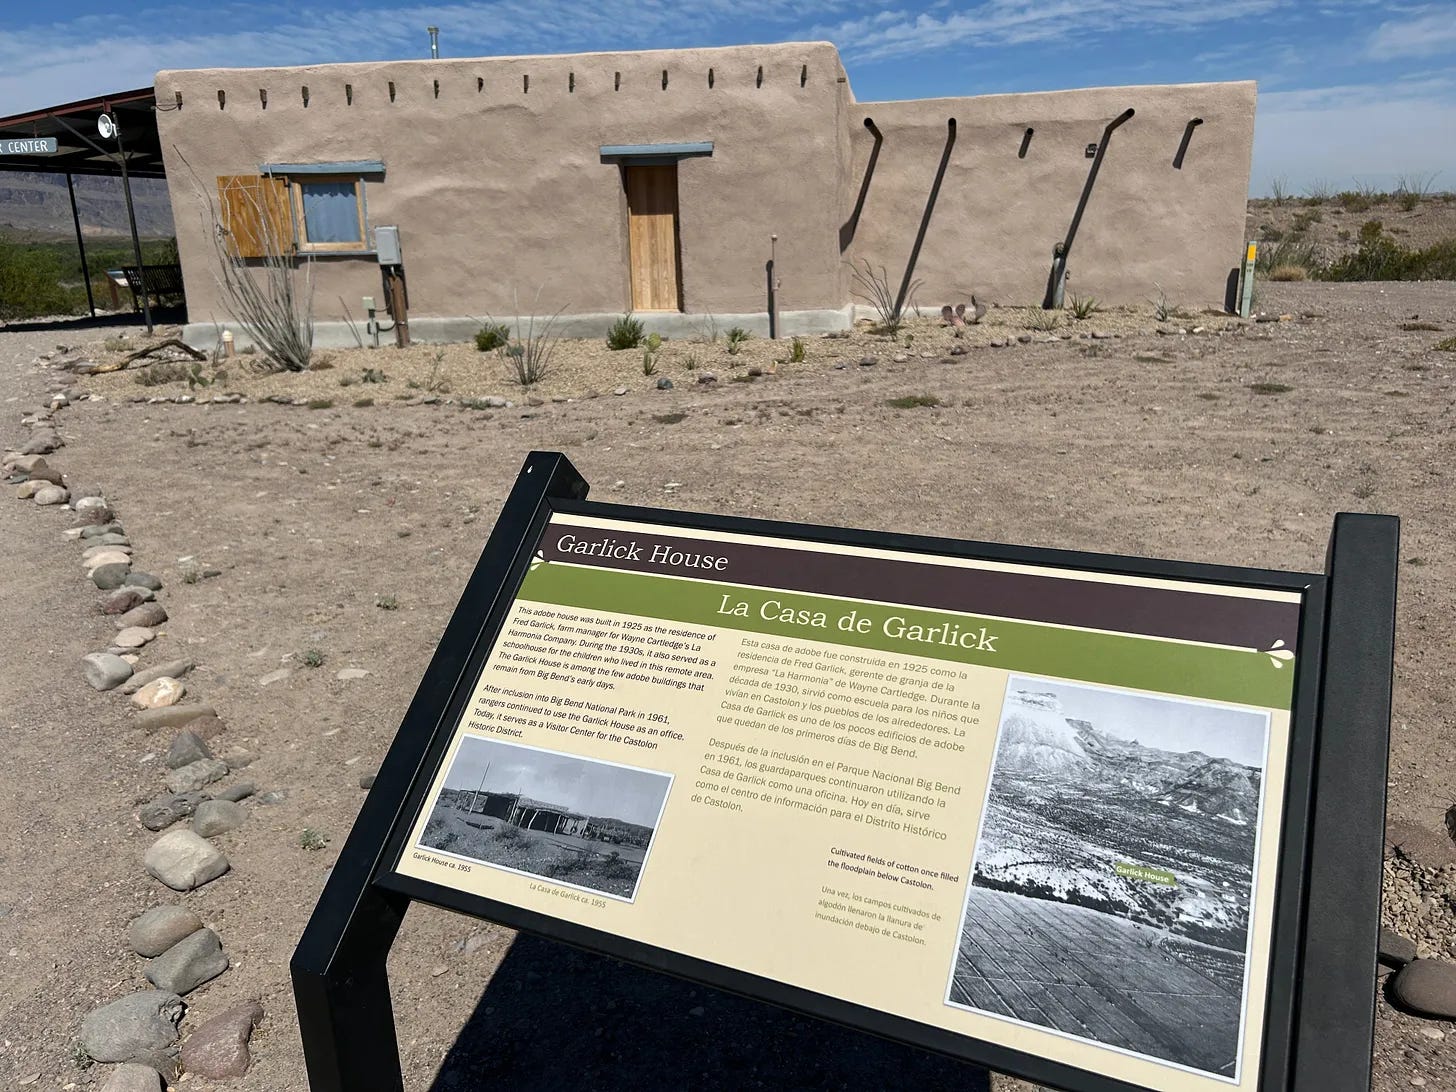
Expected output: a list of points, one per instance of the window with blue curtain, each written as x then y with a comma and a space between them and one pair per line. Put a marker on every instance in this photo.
331, 211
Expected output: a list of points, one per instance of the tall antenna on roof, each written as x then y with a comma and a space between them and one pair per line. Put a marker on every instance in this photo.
434, 42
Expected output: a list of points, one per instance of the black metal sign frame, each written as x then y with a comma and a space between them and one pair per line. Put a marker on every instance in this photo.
1319, 1013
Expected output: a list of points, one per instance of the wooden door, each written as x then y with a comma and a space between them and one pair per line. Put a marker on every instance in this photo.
652, 237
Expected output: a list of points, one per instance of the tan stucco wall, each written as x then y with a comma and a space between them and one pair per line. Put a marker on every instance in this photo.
499, 192
998, 216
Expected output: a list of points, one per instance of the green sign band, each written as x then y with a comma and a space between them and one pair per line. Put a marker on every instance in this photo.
1198, 671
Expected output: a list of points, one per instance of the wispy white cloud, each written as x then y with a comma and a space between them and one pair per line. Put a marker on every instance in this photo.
891, 34
90, 55
1427, 32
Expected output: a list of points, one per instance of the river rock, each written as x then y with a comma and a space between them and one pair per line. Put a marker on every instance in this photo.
110, 555
135, 637
209, 726
92, 503
173, 669
122, 599
140, 1028
183, 861
150, 615
41, 443
189, 963
94, 516
153, 932
28, 489
104, 548
48, 474
240, 791
215, 817
93, 531
110, 576
159, 693
1427, 986
169, 808
186, 747
25, 463
145, 580
149, 720
104, 671
1395, 950
219, 1048
130, 1077
195, 775
114, 538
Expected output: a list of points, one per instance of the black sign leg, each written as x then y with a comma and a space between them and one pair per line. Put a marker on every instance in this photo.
1342, 922
339, 979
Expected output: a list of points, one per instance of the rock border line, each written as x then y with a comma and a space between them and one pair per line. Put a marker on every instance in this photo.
140, 1034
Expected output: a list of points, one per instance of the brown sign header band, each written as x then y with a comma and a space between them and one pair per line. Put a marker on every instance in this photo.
1177, 614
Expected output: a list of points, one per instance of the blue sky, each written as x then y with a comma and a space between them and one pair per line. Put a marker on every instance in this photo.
1349, 89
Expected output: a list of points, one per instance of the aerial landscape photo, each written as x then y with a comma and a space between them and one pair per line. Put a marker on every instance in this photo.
1111, 892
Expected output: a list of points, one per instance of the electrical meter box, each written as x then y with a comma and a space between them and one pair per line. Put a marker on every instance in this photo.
386, 245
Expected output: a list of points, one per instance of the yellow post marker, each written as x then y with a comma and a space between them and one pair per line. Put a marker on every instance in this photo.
1246, 275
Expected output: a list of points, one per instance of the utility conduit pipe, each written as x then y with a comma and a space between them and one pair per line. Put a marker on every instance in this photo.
1057, 281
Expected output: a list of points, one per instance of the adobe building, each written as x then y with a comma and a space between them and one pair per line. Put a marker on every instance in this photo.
522, 811
683, 184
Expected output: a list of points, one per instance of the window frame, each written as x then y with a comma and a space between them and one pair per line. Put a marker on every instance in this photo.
300, 224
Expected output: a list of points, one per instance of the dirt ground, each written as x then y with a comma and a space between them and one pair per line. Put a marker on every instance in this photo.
1234, 448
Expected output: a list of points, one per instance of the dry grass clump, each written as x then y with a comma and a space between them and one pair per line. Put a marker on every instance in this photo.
1289, 273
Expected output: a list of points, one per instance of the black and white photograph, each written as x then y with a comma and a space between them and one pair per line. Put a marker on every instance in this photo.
575, 821
1113, 877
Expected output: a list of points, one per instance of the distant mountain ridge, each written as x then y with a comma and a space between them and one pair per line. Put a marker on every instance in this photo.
1037, 737
38, 204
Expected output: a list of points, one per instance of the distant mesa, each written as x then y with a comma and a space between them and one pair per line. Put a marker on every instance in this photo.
1219, 788
1037, 738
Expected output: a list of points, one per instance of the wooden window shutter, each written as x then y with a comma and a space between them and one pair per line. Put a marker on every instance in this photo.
254, 215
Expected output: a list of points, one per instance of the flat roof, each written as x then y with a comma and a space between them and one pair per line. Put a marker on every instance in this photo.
134, 113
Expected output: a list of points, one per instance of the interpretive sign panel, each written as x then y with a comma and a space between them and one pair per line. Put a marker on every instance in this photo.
1043, 803
1046, 811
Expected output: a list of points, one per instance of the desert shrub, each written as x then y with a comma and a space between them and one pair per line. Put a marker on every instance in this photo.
1318, 192
796, 351
1354, 201
1042, 320
736, 337
311, 839
1445, 345
1083, 307
30, 283
1381, 258
507, 833
529, 356
164, 371
625, 333
876, 290
1162, 309
492, 336
1289, 273
1288, 253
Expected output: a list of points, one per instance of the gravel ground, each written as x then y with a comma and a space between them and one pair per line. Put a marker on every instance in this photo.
1163, 445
